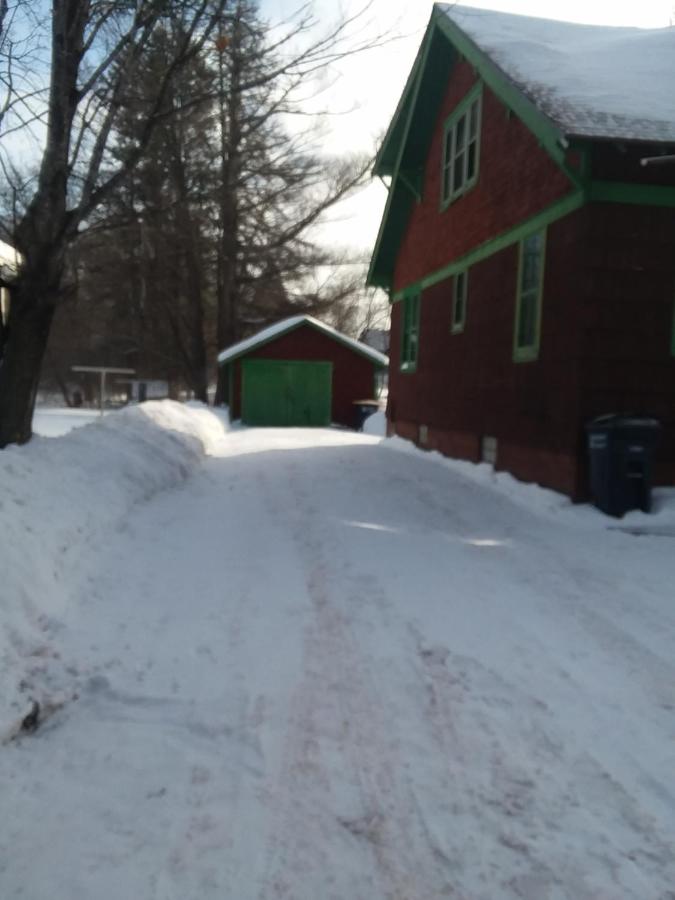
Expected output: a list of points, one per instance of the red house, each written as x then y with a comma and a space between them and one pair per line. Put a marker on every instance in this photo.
300, 372
528, 241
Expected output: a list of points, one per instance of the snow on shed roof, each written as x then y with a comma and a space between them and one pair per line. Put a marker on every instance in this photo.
279, 328
593, 81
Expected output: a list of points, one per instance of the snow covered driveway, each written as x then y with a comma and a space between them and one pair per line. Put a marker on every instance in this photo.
321, 669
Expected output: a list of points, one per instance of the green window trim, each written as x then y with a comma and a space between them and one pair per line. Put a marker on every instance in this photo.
459, 297
529, 290
460, 158
410, 332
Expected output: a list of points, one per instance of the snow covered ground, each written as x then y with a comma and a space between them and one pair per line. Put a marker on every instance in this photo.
57, 421
306, 665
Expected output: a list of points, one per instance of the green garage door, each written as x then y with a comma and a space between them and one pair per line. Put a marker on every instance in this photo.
280, 392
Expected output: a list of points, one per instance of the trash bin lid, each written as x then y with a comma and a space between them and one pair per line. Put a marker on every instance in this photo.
623, 420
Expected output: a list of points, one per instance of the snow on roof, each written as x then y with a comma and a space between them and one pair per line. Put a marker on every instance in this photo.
279, 328
593, 81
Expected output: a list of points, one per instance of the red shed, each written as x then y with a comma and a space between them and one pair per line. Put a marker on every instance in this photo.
300, 372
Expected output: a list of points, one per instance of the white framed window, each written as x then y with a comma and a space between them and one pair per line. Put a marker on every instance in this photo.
410, 332
459, 298
461, 149
528, 297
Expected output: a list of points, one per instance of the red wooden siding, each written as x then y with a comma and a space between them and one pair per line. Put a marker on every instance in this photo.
353, 374
627, 319
467, 384
607, 310
516, 180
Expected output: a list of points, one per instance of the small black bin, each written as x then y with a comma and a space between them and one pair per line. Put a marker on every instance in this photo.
621, 453
362, 410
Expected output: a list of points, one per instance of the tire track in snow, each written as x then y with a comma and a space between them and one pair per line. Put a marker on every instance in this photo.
384, 826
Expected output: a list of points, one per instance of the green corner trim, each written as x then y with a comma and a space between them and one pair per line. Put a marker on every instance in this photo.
552, 213
641, 194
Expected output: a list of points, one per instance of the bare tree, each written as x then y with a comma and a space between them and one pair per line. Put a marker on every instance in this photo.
92, 54
276, 182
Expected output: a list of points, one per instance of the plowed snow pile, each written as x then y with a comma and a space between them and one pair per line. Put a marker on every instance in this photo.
58, 500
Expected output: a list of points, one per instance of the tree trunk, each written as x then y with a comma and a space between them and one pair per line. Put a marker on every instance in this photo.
230, 101
23, 351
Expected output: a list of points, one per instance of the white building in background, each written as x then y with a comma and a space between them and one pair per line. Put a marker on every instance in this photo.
10, 260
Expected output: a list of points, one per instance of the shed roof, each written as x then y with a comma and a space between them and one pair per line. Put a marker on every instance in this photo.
290, 324
592, 81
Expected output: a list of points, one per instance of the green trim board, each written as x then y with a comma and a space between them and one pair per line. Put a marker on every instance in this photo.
461, 114
557, 210
640, 194
529, 293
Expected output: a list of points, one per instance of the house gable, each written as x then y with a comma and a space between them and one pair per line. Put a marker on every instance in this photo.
516, 180
405, 149
563, 117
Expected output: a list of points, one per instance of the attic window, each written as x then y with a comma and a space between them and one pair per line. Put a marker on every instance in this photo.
461, 141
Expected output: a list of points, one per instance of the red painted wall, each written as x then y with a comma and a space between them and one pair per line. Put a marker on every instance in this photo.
607, 311
467, 385
627, 319
353, 374
607, 314
516, 179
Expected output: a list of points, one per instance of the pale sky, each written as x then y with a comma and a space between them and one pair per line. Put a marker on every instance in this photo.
371, 84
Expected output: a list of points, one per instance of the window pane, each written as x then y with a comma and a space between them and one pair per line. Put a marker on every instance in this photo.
409, 340
529, 290
447, 149
458, 173
527, 321
460, 134
446, 183
471, 161
532, 247
473, 120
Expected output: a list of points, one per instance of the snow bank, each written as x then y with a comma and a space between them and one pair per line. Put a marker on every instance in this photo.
548, 502
376, 424
59, 498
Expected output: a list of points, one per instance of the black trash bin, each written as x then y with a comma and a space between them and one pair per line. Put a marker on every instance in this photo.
621, 454
362, 410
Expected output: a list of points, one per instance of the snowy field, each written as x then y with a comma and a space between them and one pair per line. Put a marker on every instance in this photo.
57, 421
303, 664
